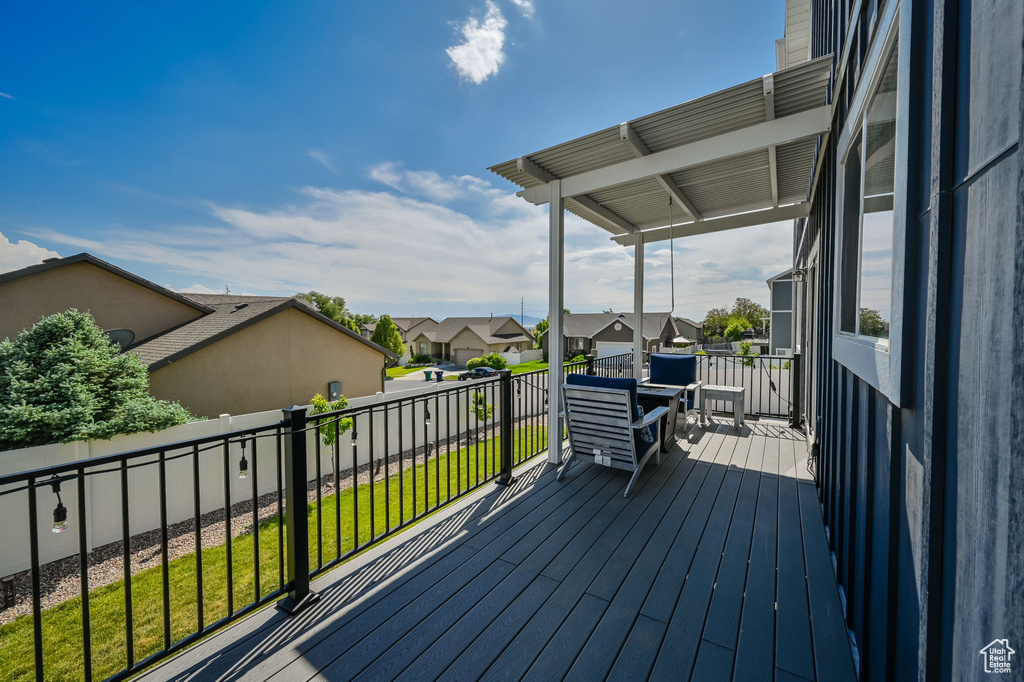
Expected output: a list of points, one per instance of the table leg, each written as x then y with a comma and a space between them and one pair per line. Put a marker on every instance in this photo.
737, 410
703, 408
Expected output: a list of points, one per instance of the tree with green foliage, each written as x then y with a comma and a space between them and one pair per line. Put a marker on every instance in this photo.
754, 313
386, 334
872, 324
492, 360
745, 347
331, 428
482, 410
335, 308
735, 328
542, 327
64, 381
715, 322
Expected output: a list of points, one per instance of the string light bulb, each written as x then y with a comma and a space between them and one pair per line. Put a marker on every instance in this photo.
60, 512
243, 464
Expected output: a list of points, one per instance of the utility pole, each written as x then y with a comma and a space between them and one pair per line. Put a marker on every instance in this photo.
522, 315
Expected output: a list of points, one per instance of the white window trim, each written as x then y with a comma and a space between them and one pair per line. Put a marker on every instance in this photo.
878, 362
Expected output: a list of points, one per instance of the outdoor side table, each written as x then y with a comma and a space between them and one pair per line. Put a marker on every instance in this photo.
650, 397
735, 394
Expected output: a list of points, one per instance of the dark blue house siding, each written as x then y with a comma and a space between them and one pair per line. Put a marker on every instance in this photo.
924, 500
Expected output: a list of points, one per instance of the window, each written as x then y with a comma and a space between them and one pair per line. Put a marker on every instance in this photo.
424, 348
866, 247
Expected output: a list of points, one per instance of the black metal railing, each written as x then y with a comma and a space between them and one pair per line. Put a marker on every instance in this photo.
765, 378
266, 509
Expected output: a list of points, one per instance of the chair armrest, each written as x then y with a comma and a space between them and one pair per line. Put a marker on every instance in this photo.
651, 417
694, 386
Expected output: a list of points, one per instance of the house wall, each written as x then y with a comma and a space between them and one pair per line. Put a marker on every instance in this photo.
689, 331
924, 495
115, 302
283, 360
469, 339
625, 334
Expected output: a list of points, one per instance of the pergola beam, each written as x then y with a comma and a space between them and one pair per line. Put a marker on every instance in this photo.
806, 124
768, 86
608, 215
732, 222
631, 139
526, 165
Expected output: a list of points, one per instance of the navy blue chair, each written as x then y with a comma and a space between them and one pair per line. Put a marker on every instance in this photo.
606, 425
677, 370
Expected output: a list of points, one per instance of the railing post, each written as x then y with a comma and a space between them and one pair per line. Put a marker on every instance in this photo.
296, 520
590, 364
795, 383
505, 386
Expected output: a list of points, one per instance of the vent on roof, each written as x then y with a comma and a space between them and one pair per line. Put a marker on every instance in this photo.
240, 306
50, 260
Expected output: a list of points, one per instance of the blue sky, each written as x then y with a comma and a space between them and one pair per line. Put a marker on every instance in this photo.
278, 147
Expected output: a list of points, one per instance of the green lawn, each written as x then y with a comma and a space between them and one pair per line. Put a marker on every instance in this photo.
402, 371
62, 625
528, 367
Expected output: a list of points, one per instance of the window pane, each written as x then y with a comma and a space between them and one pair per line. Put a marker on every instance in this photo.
849, 264
875, 291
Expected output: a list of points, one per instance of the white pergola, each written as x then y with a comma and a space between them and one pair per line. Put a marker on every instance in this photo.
739, 157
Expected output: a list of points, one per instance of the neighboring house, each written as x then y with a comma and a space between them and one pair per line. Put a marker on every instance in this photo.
780, 334
459, 339
213, 353
603, 334
689, 331
404, 325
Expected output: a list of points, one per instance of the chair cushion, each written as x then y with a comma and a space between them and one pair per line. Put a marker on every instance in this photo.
628, 384
673, 370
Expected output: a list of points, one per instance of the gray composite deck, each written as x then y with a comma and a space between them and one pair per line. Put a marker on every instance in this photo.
715, 568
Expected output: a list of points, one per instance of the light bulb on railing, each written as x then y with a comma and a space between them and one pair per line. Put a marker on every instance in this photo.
428, 415
60, 518
60, 512
355, 437
243, 464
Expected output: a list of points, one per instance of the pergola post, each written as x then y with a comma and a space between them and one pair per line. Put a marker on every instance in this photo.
556, 305
638, 310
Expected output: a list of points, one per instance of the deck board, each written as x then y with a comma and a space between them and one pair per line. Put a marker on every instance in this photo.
567, 579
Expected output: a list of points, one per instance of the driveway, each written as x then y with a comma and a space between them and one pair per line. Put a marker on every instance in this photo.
418, 378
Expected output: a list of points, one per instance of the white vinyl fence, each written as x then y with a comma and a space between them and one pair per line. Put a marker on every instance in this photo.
103, 490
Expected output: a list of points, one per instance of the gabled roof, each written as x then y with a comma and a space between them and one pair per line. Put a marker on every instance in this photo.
588, 324
102, 264
788, 274
692, 323
231, 315
484, 327
403, 323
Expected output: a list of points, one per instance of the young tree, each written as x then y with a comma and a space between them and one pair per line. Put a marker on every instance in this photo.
335, 308
754, 313
543, 326
386, 334
735, 328
715, 322
63, 381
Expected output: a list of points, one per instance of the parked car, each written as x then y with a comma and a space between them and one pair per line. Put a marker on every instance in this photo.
478, 373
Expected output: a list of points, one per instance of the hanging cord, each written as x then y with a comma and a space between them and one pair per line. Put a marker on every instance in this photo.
672, 254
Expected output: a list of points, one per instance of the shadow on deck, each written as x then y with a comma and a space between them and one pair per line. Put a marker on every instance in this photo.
716, 567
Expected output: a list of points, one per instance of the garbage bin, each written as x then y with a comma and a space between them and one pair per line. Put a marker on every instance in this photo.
440, 375
427, 373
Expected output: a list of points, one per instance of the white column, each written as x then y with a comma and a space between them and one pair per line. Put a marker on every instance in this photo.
556, 304
638, 309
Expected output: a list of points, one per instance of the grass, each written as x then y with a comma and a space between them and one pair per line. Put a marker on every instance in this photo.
63, 649
402, 371
528, 366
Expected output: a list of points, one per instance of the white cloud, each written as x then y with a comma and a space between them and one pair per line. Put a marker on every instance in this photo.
431, 184
480, 55
412, 253
197, 289
6, 96
323, 158
21, 254
525, 6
